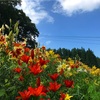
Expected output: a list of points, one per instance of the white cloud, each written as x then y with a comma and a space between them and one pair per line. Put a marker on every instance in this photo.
35, 10
70, 7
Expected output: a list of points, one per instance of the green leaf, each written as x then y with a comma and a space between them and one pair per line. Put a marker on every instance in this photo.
96, 96
16, 76
91, 88
6, 80
2, 92
12, 88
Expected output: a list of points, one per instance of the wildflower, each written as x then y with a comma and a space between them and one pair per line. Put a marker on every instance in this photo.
45, 89
62, 96
16, 52
2, 39
18, 70
54, 76
94, 68
20, 44
35, 69
51, 52
25, 95
25, 58
68, 74
37, 91
67, 97
54, 86
43, 62
26, 50
64, 66
69, 83
44, 66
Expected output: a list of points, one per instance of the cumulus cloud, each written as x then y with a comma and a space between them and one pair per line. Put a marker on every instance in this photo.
35, 10
70, 7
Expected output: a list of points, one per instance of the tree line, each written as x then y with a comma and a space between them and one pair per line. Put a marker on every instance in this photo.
85, 56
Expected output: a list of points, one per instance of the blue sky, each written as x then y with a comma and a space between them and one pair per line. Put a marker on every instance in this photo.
66, 23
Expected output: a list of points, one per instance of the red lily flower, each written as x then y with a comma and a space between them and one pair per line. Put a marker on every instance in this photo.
54, 76
54, 86
44, 89
35, 69
15, 53
2, 39
74, 65
18, 70
43, 62
62, 96
26, 50
37, 91
21, 44
25, 95
25, 58
18, 51
69, 83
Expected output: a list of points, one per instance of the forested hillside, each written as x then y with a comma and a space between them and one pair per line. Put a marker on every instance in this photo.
85, 56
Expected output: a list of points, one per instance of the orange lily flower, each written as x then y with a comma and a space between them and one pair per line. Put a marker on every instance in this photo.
25, 58
18, 70
37, 91
69, 83
54, 76
35, 69
25, 95
54, 86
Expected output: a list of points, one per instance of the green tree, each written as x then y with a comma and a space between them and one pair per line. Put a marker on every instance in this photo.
87, 57
82, 54
11, 2
98, 62
91, 58
59, 51
65, 53
73, 52
27, 29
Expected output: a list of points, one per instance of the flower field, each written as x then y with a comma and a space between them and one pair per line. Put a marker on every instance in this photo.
38, 74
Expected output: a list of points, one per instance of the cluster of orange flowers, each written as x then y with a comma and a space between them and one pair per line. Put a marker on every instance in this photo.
34, 62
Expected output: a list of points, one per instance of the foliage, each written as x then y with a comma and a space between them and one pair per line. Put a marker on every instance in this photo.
11, 2
86, 56
38, 74
27, 29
